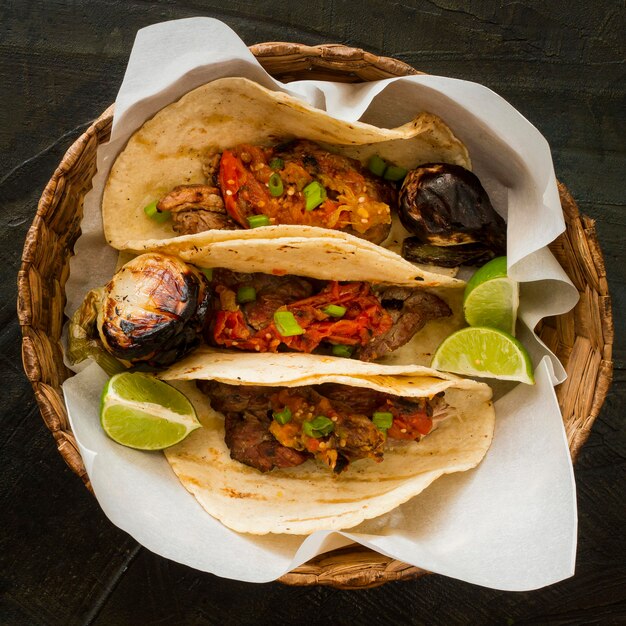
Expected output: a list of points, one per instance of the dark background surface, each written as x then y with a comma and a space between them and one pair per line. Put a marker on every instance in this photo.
61, 63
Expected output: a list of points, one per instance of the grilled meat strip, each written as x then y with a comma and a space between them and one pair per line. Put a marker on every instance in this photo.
410, 310
249, 440
246, 426
196, 208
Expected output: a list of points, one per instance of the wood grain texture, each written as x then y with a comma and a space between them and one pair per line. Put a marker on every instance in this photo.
62, 562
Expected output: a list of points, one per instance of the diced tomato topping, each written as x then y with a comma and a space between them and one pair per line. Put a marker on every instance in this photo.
232, 176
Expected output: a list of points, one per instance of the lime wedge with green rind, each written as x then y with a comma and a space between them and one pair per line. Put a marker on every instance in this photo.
484, 352
492, 298
139, 411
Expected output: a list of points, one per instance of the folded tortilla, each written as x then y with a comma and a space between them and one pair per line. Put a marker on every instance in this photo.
168, 150
309, 497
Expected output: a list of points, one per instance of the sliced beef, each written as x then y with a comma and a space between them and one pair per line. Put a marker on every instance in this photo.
192, 221
410, 309
358, 438
236, 398
358, 399
195, 209
192, 197
250, 442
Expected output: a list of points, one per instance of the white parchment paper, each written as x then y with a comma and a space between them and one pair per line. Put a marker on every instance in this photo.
510, 523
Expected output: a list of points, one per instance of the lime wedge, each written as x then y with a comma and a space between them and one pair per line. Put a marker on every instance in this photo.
139, 411
486, 352
491, 298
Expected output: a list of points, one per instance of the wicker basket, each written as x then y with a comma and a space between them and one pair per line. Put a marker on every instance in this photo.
581, 338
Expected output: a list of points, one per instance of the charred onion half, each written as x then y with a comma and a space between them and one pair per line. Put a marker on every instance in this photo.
153, 309
446, 206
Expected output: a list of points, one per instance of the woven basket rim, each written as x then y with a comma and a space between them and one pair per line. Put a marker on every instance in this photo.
354, 566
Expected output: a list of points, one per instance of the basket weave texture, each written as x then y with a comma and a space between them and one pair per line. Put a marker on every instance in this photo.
581, 338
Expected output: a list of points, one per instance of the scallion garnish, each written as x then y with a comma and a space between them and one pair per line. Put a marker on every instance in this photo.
208, 272
275, 185
277, 163
314, 195
282, 417
344, 351
286, 324
318, 427
154, 214
246, 294
393, 172
382, 420
334, 310
376, 165
256, 221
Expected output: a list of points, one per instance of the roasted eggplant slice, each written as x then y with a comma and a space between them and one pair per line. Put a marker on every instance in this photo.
445, 205
153, 310
446, 256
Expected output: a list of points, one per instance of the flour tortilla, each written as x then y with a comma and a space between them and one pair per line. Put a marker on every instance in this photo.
307, 498
168, 150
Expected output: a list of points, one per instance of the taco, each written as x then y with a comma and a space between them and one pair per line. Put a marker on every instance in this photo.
248, 172
297, 443
156, 308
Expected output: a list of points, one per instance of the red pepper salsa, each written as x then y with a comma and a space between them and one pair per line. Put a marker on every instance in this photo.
353, 198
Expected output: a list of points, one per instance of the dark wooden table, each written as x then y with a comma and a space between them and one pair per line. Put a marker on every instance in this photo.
61, 63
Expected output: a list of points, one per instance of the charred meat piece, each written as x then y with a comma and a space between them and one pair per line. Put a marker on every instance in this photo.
153, 310
192, 197
359, 399
358, 438
192, 221
250, 442
196, 208
410, 309
236, 398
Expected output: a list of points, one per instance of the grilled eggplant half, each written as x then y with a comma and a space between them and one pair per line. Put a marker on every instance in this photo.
153, 310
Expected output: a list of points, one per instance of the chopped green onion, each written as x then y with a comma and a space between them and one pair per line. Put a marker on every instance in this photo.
319, 427
382, 420
334, 310
283, 417
277, 163
276, 185
246, 294
154, 214
314, 195
376, 165
286, 324
255, 221
393, 172
208, 272
344, 351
